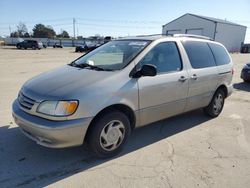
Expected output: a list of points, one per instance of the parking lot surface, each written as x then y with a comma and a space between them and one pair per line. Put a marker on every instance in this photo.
189, 150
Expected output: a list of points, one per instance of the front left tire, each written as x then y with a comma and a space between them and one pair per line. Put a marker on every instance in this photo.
108, 134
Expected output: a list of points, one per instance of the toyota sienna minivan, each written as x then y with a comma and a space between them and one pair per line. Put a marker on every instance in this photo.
102, 96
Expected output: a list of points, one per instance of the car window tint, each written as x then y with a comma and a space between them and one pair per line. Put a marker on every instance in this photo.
108, 56
165, 56
199, 54
220, 54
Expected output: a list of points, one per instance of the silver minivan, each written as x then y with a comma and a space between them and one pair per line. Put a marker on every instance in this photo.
102, 96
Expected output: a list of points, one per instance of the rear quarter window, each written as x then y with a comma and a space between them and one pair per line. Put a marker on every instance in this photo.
220, 54
199, 54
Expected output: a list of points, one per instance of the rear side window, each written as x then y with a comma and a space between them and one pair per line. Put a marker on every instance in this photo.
199, 54
220, 54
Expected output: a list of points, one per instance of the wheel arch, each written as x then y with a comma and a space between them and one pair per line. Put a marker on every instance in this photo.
224, 88
118, 107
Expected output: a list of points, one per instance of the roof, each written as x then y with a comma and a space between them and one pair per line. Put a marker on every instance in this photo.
159, 36
215, 20
144, 37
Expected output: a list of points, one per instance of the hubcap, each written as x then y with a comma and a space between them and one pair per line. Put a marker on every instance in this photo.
218, 102
112, 135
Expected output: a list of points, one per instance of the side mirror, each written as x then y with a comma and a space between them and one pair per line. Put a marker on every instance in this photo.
146, 70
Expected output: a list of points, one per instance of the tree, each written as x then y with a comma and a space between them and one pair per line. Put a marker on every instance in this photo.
14, 34
26, 35
42, 31
80, 37
21, 29
63, 34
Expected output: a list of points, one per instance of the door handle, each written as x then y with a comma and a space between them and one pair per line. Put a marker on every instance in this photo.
194, 77
182, 79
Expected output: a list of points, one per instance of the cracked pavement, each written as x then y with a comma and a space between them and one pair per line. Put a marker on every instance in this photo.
189, 150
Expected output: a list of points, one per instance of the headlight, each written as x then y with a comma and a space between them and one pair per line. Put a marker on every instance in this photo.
58, 108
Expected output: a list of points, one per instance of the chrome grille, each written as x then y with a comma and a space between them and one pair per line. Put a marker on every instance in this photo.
25, 101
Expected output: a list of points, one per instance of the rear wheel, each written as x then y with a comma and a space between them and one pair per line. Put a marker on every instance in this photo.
216, 105
108, 134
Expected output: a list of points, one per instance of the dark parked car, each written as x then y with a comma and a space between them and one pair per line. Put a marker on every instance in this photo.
245, 48
86, 48
30, 44
56, 45
81, 48
107, 39
245, 73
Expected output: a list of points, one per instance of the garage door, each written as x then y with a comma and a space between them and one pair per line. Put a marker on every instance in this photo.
171, 32
196, 31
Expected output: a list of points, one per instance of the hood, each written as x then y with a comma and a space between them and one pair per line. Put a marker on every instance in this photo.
62, 82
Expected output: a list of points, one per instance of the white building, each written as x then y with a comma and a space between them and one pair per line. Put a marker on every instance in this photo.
230, 34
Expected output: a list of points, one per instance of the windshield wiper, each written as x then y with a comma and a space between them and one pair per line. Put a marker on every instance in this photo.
86, 65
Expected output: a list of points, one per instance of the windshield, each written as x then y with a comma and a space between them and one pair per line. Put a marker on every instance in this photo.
114, 55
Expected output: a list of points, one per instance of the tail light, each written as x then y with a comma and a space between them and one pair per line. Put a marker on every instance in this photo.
233, 71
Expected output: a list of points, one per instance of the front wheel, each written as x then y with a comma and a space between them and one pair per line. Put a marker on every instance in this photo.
108, 134
216, 105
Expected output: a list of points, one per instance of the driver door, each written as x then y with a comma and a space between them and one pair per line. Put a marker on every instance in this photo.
165, 94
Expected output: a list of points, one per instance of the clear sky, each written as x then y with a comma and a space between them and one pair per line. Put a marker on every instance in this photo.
113, 17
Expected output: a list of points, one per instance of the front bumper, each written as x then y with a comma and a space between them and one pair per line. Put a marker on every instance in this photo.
54, 134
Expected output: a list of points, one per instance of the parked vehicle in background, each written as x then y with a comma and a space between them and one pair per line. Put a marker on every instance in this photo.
107, 39
245, 48
33, 44
86, 48
245, 73
56, 45
93, 46
102, 96
81, 48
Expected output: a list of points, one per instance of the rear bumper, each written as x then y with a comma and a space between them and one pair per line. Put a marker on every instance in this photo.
229, 90
53, 134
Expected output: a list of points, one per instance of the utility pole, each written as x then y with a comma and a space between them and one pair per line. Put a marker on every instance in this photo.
10, 35
74, 27
74, 31
10, 30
